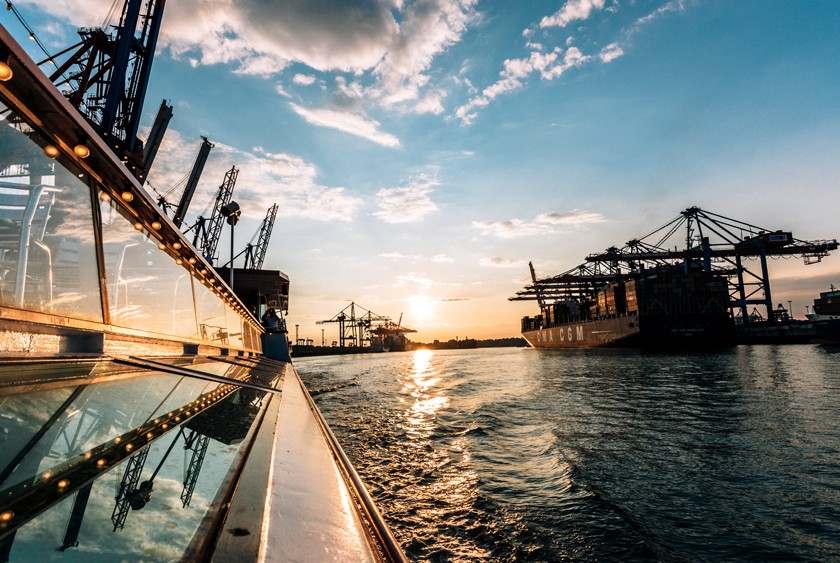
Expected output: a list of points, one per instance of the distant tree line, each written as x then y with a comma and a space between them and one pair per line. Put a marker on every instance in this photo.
466, 343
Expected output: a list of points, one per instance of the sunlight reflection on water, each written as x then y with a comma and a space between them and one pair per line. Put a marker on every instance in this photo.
421, 385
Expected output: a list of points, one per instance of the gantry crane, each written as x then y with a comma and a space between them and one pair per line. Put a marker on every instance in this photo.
190, 182
255, 254
106, 76
208, 230
355, 330
712, 243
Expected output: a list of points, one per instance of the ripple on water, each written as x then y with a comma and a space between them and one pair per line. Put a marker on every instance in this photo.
613, 455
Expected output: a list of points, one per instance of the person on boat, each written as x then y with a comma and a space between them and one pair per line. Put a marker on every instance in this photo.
270, 320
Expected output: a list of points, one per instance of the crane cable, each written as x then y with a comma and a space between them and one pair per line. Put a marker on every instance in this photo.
11, 8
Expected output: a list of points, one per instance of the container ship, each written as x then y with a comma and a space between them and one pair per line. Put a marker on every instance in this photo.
664, 309
651, 293
145, 412
826, 315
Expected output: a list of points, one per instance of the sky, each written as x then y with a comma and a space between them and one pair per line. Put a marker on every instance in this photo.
422, 152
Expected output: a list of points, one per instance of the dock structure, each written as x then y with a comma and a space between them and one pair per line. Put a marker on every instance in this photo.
711, 243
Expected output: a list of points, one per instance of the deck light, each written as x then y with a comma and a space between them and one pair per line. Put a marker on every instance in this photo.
179, 261
81, 150
162, 246
193, 260
104, 197
138, 226
127, 196
63, 484
5, 71
6, 516
156, 225
51, 151
176, 245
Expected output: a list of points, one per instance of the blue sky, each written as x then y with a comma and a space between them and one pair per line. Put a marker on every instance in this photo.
422, 152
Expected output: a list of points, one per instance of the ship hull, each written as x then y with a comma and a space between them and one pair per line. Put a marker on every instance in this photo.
621, 331
630, 332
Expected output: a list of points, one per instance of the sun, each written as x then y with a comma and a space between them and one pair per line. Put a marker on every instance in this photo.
421, 310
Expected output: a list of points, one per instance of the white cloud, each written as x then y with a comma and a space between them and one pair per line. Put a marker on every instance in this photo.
571, 11
512, 228
548, 65
392, 43
411, 278
499, 262
610, 52
407, 204
441, 258
264, 178
673, 6
397, 256
303, 79
348, 122
543, 224
572, 217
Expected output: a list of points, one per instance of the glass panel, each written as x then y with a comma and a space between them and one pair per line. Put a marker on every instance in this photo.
47, 246
147, 456
211, 316
234, 326
147, 290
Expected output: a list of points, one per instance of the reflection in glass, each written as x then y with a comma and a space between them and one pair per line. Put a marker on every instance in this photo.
211, 316
234, 327
170, 442
147, 290
47, 248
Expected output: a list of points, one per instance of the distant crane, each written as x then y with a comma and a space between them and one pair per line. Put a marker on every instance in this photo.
207, 231
353, 330
108, 74
712, 243
255, 254
192, 182
189, 188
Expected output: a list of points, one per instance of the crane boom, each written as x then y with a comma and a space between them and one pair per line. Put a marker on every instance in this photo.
216, 219
164, 115
189, 189
110, 76
255, 254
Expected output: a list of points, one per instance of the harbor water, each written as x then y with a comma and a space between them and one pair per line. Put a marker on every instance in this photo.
519, 454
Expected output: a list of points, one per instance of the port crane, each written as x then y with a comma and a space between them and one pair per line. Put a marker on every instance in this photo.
711, 242
355, 330
255, 253
208, 230
190, 182
105, 75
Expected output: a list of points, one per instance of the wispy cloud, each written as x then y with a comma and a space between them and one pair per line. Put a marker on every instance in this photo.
571, 11
673, 6
610, 52
407, 204
571, 218
351, 123
303, 79
397, 256
264, 179
543, 224
388, 45
441, 258
413, 279
548, 65
512, 228
499, 262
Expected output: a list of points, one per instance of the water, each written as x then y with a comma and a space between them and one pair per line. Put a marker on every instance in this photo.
517, 454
